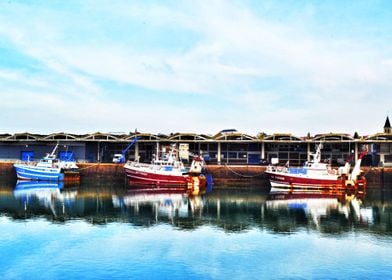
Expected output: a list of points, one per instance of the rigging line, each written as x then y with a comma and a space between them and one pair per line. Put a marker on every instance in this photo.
242, 175
89, 166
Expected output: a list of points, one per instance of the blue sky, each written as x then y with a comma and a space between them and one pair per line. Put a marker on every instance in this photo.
195, 66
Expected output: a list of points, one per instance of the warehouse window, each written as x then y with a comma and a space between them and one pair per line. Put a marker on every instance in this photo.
27, 155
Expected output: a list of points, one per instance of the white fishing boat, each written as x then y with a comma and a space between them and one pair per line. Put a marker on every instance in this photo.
316, 174
49, 168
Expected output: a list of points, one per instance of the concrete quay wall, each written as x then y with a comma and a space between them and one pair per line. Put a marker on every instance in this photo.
221, 173
116, 171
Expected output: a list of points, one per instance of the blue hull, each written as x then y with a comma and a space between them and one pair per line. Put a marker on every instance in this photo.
26, 172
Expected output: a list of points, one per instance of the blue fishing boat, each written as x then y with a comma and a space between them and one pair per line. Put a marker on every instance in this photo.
49, 168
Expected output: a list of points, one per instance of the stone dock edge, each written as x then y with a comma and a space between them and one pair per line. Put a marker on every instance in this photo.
220, 173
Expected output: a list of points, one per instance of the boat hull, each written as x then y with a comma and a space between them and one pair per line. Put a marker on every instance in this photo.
280, 179
26, 172
149, 177
141, 177
34, 173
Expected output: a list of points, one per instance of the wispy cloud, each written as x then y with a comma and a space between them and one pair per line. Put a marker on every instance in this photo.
228, 63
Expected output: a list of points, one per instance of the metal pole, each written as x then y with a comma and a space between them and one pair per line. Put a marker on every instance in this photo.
98, 152
136, 150
219, 153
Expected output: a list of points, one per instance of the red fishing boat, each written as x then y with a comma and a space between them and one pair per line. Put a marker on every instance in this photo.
317, 174
167, 170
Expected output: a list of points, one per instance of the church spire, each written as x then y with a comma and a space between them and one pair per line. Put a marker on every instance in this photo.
387, 126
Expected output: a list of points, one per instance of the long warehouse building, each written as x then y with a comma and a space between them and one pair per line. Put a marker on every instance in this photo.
226, 147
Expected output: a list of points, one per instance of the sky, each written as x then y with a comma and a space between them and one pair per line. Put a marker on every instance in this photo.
195, 66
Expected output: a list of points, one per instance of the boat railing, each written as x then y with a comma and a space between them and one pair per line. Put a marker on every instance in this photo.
155, 166
26, 162
275, 168
138, 164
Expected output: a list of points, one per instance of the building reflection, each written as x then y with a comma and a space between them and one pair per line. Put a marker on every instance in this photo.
232, 209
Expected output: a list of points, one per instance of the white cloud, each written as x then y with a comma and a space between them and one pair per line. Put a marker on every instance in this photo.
232, 52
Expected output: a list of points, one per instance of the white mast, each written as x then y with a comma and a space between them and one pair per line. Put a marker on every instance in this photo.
54, 150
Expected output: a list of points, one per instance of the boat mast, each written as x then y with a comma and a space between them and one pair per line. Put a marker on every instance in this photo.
317, 155
54, 150
357, 167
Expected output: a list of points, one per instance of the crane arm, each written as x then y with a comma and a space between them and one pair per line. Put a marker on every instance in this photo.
129, 146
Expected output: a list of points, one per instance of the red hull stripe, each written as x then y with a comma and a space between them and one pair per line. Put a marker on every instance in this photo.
150, 177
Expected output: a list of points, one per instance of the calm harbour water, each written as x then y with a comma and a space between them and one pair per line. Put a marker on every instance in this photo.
114, 231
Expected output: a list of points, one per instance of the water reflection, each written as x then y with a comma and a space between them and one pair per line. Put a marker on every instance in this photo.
152, 205
31, 199
232, 209
326, 211
38, 193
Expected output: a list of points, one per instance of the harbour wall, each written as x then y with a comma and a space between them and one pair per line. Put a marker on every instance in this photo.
238, 174
113, 171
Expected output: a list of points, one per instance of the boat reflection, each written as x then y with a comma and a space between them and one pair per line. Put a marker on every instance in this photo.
37, 197
230, 208
37, 185
42, 193
164, 203
316, 208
